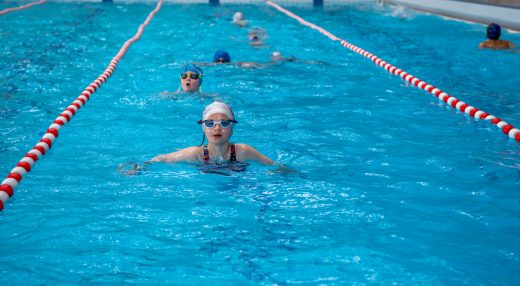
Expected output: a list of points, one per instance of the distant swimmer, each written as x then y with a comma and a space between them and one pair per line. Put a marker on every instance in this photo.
256, 36
278, 57
218, 121
191, 78
238, 19
223, 57
220, 57
493, 42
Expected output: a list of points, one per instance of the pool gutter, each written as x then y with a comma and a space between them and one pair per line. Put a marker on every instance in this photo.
507, 17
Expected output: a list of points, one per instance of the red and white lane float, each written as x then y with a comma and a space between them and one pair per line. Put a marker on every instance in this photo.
24, 166
507, 128
5, 11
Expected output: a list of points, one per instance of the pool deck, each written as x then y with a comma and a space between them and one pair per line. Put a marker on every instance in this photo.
505, 12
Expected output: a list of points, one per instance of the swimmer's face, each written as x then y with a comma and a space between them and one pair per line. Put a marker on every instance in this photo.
188, 83
254, 38
217, 134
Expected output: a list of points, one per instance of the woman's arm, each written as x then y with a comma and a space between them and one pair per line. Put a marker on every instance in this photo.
246, 152
190, 154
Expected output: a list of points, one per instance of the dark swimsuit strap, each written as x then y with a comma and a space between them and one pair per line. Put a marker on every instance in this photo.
206, 154
232, 156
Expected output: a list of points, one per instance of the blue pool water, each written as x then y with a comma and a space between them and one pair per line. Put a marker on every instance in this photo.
394, 187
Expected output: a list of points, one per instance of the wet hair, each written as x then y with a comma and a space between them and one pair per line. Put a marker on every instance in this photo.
493, 31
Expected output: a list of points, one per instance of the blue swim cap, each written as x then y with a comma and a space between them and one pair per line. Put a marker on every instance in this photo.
194, 69
493, 31
221, 54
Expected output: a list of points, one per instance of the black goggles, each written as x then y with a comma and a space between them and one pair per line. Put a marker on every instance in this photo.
191, 75
221, 60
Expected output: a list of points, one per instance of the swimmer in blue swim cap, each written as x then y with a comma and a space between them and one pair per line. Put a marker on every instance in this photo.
191, 78
493, 41
221, 56
218, 121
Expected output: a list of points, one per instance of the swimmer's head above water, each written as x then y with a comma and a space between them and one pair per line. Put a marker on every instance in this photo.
493, 31
276, 56
217, 122
191, 78
238, 16
221, 56
238, 19
256, 36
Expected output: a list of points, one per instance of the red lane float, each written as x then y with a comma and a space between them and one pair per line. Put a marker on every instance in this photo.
5, 11
27, 162
507, 128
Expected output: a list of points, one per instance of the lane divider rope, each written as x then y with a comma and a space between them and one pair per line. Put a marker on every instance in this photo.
507, 128
5, 11
27, 162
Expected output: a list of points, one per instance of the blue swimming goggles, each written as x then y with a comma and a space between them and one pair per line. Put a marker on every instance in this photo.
223, 123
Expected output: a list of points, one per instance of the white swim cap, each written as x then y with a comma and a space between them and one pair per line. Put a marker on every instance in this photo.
218, 107
238, 16
276, 54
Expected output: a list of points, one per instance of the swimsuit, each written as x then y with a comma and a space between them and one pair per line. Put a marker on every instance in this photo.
222, 168
232, 156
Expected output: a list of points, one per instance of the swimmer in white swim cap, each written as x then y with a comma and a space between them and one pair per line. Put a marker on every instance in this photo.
218, 121
278, 57
238, 19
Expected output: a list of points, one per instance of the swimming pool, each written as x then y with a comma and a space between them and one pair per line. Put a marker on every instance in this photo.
395, 187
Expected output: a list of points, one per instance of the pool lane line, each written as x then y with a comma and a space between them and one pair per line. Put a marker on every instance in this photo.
5, 11
28, 161
507, 128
